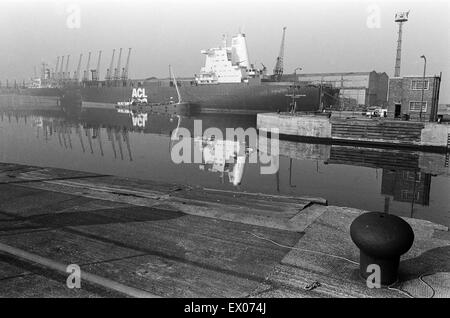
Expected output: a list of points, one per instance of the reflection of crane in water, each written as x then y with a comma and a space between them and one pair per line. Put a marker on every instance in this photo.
110, 138
63, 130
69, 133
126, 138
59, 136
97, 134
78, 131
119, 142
88, 135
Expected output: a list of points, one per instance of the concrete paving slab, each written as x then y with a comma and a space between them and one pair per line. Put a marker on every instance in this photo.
66, 247
435, 285
180, 241
209, 243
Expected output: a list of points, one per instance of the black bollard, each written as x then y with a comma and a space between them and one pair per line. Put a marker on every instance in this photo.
381, 238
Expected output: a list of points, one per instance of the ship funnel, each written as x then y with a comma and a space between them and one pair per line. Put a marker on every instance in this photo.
239, 51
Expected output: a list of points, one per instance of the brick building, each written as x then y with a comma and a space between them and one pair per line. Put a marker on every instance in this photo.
405, 97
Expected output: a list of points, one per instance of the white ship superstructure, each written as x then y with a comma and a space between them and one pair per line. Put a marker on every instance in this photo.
226, 64
224, 156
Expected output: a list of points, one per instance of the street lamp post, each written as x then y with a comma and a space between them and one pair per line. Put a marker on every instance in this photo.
423, 85
295, 73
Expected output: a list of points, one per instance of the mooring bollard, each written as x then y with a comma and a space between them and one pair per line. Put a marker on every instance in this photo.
381, 238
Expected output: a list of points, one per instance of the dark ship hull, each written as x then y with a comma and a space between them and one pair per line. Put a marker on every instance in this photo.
245, 98
67, 98
24, 97
237, 98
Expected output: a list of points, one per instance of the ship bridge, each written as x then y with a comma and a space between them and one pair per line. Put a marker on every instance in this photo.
226, 64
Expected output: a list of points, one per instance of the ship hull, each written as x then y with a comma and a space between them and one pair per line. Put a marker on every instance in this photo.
233, 97
66, 98
29, 97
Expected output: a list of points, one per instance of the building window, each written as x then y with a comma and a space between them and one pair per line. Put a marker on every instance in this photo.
415, 106
418, 84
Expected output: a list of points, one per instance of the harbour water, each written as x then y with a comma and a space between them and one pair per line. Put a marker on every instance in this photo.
401, 182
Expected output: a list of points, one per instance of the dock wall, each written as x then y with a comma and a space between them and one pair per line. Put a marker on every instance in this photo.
307, 126
359, 130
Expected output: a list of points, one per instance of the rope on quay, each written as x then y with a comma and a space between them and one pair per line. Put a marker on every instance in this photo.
302, 249
345, 259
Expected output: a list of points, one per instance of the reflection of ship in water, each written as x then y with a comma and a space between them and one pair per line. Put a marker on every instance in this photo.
223, 156
406, 177
94, 129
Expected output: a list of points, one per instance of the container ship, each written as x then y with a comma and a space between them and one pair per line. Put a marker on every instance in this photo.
226, 83
50, 89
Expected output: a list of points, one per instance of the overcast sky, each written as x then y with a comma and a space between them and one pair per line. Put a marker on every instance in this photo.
321, 35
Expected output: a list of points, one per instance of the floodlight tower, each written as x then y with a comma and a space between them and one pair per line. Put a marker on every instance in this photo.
400, 18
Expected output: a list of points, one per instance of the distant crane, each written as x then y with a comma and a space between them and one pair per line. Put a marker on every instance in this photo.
117, 70
109, 73
96, 72
60, 75
86, 71
55, 73
76, 75
125, 69
66, 73
278, 69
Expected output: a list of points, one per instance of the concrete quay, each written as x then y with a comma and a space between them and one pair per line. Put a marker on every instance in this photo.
134, 238
369, 131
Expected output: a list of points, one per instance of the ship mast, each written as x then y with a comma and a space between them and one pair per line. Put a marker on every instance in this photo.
176, 84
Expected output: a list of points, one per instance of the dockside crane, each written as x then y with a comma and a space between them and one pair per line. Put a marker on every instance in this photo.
117, 70
86, 71
96, 72
278, 69
109, 73
125, 69
76, 75
55, 72
60, 74
66, 73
